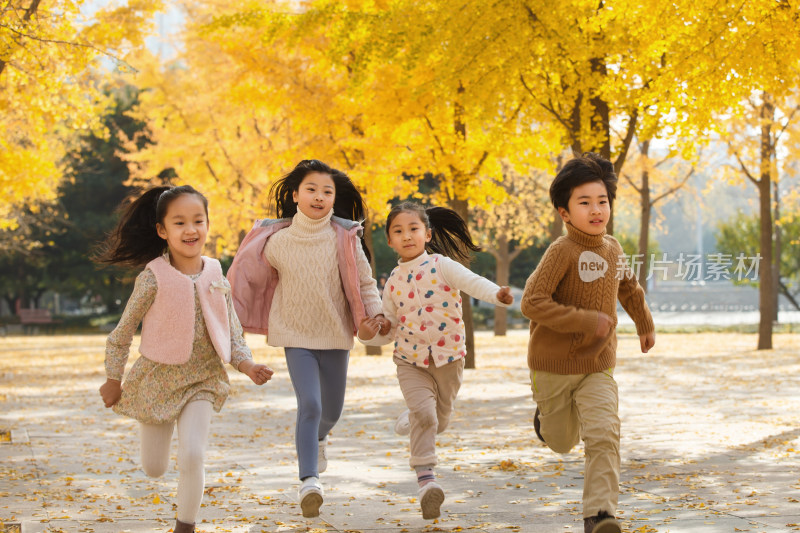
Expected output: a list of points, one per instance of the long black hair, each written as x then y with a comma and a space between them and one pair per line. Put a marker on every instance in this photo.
135, 241
348, 202
449, 233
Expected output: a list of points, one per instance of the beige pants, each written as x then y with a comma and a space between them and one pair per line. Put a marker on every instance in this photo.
430, 394
585, 406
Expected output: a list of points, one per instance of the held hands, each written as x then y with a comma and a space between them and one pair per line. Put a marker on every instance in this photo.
647, 341
604, 325
370, 327
504, 295
385, 324
260, 374
111, 391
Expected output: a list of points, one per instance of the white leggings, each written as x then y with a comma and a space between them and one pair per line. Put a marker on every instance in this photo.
193, 425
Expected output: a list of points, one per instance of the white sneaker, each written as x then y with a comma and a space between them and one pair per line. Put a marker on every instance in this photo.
431, 497
322, 455
403, 426
310, 496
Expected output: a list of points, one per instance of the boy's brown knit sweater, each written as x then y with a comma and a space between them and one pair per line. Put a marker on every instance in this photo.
579, 275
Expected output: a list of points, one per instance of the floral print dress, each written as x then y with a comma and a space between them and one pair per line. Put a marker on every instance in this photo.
155, 393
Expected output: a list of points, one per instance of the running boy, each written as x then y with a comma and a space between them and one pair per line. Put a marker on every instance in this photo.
571, 300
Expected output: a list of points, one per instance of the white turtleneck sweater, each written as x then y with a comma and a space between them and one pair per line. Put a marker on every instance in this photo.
309, 309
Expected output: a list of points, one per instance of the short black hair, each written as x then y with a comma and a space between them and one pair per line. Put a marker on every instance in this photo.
586, 168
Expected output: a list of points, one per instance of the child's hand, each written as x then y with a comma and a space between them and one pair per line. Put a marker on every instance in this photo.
111, 391
260, 374
504, 295
386, 325
370, 327
604, 325
647, 341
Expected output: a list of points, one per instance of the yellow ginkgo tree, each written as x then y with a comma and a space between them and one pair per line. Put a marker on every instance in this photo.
51, 87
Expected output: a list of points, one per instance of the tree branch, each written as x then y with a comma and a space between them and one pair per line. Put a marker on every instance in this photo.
788, 121
629, 180
789, 296
744, 167
626, 142
673, 189
433, 132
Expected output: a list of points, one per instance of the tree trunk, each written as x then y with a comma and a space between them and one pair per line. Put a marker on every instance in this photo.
644, 226
371, 350
776, 263
766, 294
462, 208
502, 273
600, 121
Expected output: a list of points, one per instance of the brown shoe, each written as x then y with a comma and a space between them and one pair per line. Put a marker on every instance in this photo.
183, 527
602, 522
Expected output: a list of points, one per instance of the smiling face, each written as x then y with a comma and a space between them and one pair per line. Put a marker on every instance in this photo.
316, 195
185, 228
408, 235
588, 209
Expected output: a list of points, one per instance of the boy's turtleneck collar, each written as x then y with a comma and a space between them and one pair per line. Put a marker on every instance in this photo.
414, 262
306, 225
585, 239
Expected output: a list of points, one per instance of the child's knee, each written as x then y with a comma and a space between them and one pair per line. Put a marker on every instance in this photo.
602, 436
310, 409
424, 418
154, 467
560, 446
191, 457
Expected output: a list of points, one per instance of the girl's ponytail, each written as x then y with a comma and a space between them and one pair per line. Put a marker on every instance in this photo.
449, 234
135, 241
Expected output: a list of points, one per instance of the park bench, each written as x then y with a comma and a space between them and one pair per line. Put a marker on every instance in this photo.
31, 319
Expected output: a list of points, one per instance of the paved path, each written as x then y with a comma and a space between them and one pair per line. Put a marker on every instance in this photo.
711, 443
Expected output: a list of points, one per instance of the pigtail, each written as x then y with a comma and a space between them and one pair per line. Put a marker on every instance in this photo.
449, 234
134, 242
349, 203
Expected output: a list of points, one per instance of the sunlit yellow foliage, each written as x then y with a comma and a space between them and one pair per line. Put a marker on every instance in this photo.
51, 81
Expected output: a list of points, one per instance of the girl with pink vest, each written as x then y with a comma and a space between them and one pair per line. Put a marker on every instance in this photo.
306, 283
422, 304
189, 331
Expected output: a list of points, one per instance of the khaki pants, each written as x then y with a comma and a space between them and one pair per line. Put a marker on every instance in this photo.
585, 406
430, 394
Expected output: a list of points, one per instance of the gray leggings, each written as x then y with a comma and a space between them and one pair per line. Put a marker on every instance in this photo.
319, 378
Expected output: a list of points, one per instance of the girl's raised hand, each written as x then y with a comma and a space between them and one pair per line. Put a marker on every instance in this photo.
504, 295
111, 391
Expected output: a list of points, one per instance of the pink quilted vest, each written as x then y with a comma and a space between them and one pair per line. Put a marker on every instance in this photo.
253, 279
168, 326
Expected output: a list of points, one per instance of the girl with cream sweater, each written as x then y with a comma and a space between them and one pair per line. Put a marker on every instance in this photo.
305, 281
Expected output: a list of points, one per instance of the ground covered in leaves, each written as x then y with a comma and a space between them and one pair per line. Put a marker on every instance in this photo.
711, 442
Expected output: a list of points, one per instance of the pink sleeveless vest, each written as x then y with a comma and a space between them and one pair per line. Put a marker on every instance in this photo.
168, 326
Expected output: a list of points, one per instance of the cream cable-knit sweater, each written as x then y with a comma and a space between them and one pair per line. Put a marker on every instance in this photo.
309, 309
